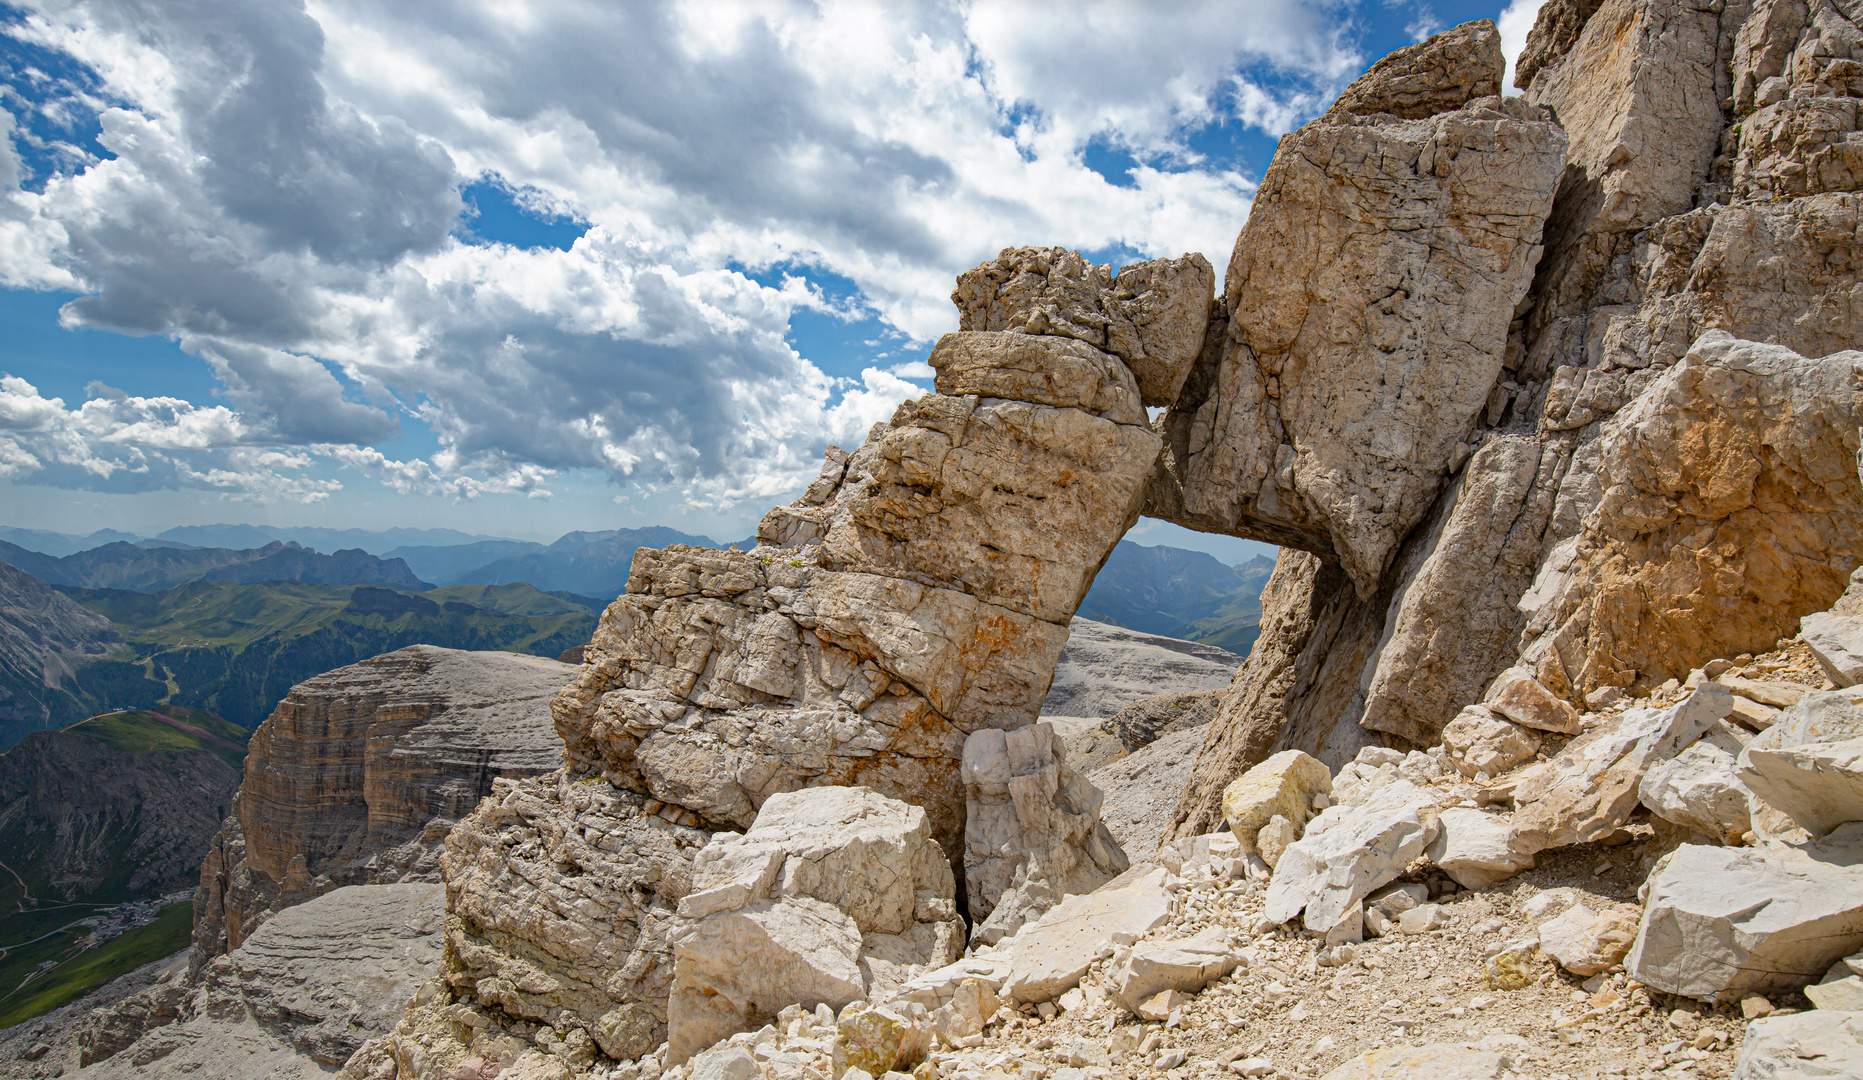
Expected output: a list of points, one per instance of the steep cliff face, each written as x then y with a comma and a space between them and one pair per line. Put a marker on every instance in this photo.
1639, 496
359, 773
109, 810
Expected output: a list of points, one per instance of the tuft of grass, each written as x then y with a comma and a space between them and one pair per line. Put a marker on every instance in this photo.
81, 972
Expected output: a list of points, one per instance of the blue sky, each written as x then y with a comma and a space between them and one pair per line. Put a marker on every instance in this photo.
518, 270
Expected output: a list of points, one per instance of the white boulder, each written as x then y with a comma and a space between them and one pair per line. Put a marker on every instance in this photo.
1480, 740
1585, 942
1698, 788
1721, 923
1350, 850
1819, 785
1141, 971
1815, 1045
1472, 847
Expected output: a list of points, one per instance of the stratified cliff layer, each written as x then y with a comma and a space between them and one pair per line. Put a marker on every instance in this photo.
359, 773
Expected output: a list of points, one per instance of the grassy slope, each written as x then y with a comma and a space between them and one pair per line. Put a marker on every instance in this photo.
236, 649
169, 729
80, 972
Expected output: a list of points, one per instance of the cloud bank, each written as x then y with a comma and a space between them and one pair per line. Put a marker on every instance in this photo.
277, 187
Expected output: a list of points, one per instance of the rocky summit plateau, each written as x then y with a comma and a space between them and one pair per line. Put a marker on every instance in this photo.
1547, 761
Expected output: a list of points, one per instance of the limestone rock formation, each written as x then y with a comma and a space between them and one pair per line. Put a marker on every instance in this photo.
920, 590
358, 774
1383, 253
1809, 765
1622, 461
295, 999
1719, 923
1151, 315
1347, 852
561, 904
1032, 830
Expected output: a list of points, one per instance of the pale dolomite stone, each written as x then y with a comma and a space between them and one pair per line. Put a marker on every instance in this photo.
1349, 851
1720, 923
1386, 254
1815, 1045
1517, 695
1049, 957
587, 949
1585, 942
833, 895
1141, 971
1479, 740
1440, 1061
880, 1039
1836, 636
1806, 761
1152, 315
1819, 785
1032, 832
1698, 789
1472, 847
1271, 842
1591, 787
1282, 786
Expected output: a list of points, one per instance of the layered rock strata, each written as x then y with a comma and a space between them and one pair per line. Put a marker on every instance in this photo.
358, 774
1642, 494
296, 999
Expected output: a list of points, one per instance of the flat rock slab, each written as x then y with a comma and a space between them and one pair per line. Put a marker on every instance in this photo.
1819, 785
1049, 958
1812, 1045
1721, 923
1439, 1061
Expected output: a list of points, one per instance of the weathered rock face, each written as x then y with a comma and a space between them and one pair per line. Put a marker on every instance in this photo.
561, 898
295, 999
1641, 498
1730, 505
920, 590
1032, 831
1384, 254
358, 774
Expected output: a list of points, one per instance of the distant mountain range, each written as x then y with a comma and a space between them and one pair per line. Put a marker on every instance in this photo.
1182, 594
122, 565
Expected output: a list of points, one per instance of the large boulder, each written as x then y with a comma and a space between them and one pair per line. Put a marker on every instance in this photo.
1720, 923
834, 894
1809, 764
1698, 788
1815, 1045
1348, 851
1032, 832
1282, 786
1389, 243
1836, 636
1591, 787
1472, 846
